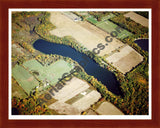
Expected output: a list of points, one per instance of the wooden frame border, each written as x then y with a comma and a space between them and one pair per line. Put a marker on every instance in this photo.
5, 5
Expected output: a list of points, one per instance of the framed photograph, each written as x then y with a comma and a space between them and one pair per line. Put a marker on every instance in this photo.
79, 66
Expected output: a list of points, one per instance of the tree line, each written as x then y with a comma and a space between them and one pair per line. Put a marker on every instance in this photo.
130, 25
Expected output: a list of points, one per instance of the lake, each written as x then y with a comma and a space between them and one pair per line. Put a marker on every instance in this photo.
91, 67
143, 43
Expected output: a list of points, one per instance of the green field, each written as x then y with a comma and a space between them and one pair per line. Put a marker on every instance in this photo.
18, 91
24, 78
111, 15
109, 27
50, 73
92, 20
106, 25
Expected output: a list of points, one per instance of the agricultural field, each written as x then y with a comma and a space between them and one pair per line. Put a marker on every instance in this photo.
71, 28
71, 89
17, 90
108, 26
24, 78
82, 13
64, 108
74, 97
86, 101
115, 44
91, 112
85, 33
89, 35
138, 18
111, 15
92, 20
48, 74
72, 16
17, 50
106, 108
125, 59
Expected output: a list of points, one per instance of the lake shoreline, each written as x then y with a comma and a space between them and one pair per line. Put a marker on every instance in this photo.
104, 75
143, 43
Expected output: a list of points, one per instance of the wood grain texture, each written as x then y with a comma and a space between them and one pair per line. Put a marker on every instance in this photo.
6, 4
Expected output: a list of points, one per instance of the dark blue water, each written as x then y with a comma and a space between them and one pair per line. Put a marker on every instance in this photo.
143, 43
91, 67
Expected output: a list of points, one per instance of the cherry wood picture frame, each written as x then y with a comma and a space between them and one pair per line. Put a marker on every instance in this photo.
4, 61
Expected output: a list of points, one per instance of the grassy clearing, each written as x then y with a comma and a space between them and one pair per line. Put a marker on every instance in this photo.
109, 27
17, 90
92, 20
111, 15
106, 25
49, 73
24, 78
124, 34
